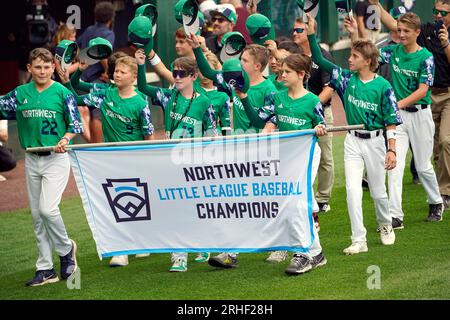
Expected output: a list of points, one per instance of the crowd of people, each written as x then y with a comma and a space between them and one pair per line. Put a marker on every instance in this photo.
279, 84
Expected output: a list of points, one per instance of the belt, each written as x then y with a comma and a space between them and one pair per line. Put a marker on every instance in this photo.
367, 134
416, 107
42, 154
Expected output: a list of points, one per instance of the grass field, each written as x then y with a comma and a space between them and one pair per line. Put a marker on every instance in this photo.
416, 267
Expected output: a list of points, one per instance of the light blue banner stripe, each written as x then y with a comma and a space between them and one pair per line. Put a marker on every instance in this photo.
193, 250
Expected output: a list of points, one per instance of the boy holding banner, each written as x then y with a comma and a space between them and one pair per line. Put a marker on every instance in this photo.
47, 115
254, 59
296, 109
125, 112
370, 100
187, 114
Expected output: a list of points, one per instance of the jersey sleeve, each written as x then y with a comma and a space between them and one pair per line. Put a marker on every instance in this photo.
224, 112
385, 54
8, 105
72, 115
158, 96
204, 66
318, 117
209, 122
427, 71
389, 107
147, 128
340, 79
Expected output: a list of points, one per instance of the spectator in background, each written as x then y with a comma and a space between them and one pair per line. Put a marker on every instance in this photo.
242, 15
223, 19
7, 160
104, 16
368, 20
64, 32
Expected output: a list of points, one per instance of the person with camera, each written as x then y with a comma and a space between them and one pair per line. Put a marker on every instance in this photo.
434, 37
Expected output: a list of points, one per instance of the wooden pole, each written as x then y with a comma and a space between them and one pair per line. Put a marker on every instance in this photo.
150, 142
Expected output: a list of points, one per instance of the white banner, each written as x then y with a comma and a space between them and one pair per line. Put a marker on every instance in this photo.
244, 194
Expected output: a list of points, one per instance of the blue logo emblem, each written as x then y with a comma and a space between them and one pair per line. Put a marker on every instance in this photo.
128, 199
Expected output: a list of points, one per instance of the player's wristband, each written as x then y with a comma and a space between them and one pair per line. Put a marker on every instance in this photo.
448, 43
393, 151
155, 60
391, 134
66, 138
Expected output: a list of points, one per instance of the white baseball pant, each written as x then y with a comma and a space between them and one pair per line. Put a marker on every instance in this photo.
417, 128
369, 153
46, 178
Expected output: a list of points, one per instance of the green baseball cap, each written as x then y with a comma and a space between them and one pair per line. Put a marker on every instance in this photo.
190, 17
224, 11
149, 11
233, 43
259, 28
397, 12
65, 52
140, 33
235, 76
178, 10
97, 49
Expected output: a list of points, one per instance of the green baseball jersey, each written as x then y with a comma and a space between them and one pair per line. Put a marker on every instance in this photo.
279, 85
296, 114
260, 98
371, 103
126, 119
409, 70
42, 117
87, 86
222, 105
183, 117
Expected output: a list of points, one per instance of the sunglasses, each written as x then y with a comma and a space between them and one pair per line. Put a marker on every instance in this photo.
218, 19
180, 73
442, 12
299, 30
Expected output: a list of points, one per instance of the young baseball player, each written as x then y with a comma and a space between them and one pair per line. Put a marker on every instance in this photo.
296, 109
125, 113
254, 60
219, 100
370, 100
187, 113
412, 70
47, 115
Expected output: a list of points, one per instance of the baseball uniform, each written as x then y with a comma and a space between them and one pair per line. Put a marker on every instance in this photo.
42, 119
408, 71
372, 103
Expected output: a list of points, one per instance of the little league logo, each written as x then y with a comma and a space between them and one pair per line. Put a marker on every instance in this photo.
128, 199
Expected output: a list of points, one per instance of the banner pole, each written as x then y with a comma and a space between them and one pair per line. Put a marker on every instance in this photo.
202, 139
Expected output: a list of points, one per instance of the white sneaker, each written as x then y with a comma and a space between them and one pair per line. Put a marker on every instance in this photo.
142, 255
2, 178
119, 261
387, 235
356, 247
277, 256
179, 265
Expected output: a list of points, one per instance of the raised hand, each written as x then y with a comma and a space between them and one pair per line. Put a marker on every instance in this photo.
140, 56
311, 25
350, 25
